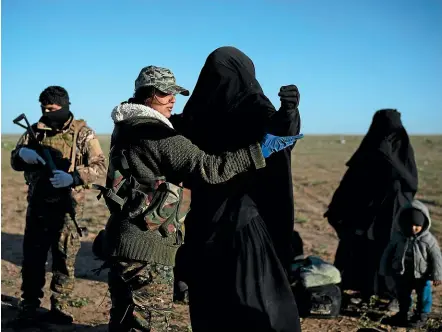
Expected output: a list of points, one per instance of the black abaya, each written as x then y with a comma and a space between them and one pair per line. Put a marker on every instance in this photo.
236, 280
381, 178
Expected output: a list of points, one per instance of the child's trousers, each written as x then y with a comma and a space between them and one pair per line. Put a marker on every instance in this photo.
404, 288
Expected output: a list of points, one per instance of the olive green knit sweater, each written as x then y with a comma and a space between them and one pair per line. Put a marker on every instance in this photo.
154, 150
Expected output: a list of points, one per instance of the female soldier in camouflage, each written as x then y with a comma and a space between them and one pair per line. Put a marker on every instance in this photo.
141, 259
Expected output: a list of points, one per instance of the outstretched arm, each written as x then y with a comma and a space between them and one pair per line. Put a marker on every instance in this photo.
185, 160
286, 121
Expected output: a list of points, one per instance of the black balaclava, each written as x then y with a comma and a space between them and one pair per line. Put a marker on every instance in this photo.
55, 95
56, 119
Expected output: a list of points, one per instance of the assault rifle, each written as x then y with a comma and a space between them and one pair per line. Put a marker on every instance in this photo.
45, 154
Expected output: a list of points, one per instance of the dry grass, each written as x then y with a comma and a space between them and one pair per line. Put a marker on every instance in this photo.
318, 166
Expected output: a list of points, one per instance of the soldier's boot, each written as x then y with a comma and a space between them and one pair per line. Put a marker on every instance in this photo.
128, 319
58, 313
27, 315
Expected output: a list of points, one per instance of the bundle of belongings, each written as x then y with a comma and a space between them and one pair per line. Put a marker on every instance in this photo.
315, 286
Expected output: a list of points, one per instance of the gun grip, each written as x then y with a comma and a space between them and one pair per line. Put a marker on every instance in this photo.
48, 159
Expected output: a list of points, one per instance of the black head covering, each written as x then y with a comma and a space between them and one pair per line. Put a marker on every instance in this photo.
412, 217
388, 138
381, 176
226, 81
227, 76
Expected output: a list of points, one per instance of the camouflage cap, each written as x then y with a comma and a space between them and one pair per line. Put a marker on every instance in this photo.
160, 78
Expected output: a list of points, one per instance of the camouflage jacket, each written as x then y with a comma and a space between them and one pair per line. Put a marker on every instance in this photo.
87, 166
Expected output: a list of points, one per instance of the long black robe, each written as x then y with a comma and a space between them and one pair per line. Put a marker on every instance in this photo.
236, 280
381, 178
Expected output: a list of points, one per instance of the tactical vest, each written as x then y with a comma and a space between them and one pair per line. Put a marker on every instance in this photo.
161, 208
64, 151
63, 147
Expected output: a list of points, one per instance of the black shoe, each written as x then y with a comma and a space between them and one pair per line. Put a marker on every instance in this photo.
418, 321
28, 315
399, 320
56, 316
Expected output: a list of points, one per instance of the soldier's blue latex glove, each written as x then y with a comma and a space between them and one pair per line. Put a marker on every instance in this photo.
61, 179
271, 144
30, 156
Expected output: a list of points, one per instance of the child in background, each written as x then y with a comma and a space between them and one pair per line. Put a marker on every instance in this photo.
413, 258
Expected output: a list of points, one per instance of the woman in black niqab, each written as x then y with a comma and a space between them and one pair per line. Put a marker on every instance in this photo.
381, 178
236, 279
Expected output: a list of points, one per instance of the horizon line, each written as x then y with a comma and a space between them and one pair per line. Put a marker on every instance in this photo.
309, 134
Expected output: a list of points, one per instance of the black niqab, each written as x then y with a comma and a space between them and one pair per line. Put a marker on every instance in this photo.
226, 78
218, 111
388, 137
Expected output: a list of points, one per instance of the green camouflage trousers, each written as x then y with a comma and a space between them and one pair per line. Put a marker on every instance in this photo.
141, 296
56, 231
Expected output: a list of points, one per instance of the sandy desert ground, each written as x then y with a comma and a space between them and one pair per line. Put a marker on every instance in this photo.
318, 165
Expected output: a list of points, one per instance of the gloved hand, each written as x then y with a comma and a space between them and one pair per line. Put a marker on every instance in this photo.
61, 179
289, 96
30, 156
271, 143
